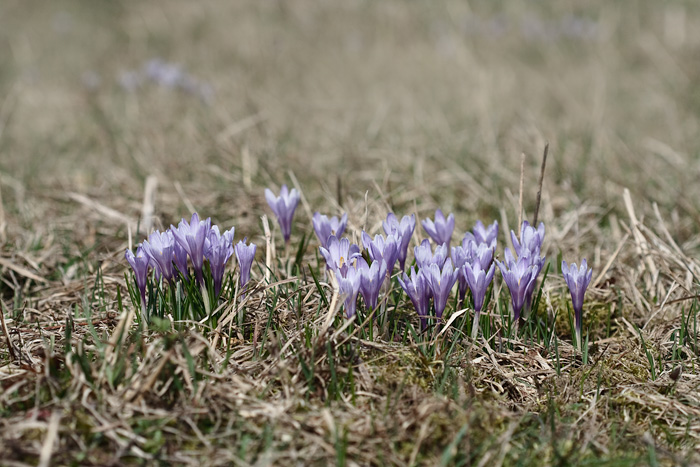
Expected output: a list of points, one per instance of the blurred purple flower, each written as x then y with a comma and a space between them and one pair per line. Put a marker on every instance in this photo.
163, 73
479, 281
441, 282
440, 230
403, 230
325, 227
577, 278
518, 275
160, 248
371, 280
381, 249
417, 288
339, 254
140, 263
130, 81
283, 206
245, 255
218, 251
192, 236
425, 257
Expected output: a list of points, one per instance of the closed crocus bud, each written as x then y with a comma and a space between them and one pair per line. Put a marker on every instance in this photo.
140, 263
283, 206
245, 255
416, 287
479, 281
218, 251
440, 230
577, 278
371, 280
192, 237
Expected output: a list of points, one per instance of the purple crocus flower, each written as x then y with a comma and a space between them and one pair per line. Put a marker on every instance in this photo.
140, 263
441, 282
245, 255
371, 280
518, 276
460, 256
404, 230
339, 254
472, 254
577, 278
283, 206
160, 249
381, 249
417, 288
530, 239
192, 236
478, 280
425, 257
487, 235
349, 286
218, 251
325, 227
440, 230
180, 259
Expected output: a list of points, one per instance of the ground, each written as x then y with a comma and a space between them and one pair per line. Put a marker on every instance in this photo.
366, 107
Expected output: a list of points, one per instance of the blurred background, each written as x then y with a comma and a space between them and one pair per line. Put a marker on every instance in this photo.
417, 103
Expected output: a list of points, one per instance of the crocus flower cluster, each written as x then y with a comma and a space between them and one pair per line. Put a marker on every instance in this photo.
355, 275
167, 254
520, 274
470, 263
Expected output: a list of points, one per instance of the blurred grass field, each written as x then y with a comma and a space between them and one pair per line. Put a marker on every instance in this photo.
370, 107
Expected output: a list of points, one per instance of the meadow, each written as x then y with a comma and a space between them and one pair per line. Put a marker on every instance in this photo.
118, 118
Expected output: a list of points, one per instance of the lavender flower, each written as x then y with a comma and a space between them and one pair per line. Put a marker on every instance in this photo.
487, 235
440, 230
530, 239
425, 256
518, 276
140, 264
478, 280
460, 256
160, 249
245, 255
441, 282
283, 206
180, 259
577, 278
381, 249
349, 286
218, 251
325, 227
339, 253
417, 288
404, 230
192, 236
371, 280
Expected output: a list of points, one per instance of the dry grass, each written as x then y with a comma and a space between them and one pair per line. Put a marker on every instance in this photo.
372, 107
